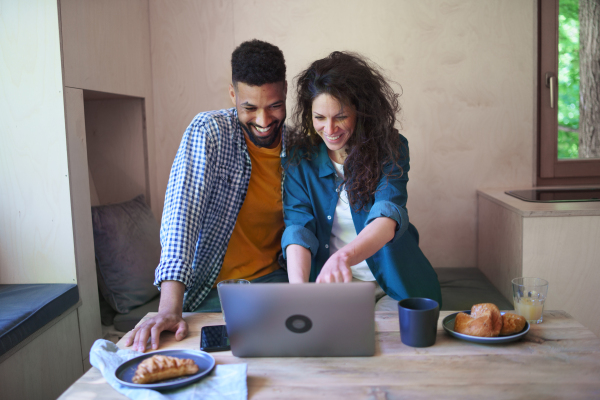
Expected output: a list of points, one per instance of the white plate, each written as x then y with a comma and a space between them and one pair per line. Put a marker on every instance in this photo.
205, 362
448, 325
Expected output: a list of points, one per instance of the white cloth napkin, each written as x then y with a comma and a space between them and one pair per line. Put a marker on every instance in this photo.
224, 382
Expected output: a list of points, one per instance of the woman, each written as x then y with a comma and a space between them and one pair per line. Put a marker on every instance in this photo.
345, 185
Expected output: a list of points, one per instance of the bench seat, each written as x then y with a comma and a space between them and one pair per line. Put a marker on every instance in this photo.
25, 308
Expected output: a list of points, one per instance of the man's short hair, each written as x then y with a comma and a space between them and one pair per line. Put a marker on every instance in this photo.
256, 63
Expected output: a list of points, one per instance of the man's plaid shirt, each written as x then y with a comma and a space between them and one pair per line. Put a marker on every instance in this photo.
207, 186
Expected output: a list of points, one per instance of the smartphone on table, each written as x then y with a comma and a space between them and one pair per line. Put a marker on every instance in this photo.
214, 338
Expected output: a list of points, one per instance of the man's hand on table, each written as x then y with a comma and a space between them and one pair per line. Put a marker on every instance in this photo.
169, 318
153, 327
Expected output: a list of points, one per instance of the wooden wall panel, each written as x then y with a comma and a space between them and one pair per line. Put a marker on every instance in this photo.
36, 231
192, 43
46, 367
499, 245
89, 311
115, 148
106, 45
565, 252
466, 67
554, 241
467, 70
106, 48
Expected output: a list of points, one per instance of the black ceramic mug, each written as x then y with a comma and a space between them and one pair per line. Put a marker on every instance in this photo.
418, 321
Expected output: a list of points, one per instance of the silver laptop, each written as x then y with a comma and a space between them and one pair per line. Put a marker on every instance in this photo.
304, 320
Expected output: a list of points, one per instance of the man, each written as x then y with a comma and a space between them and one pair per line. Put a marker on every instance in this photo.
223, 215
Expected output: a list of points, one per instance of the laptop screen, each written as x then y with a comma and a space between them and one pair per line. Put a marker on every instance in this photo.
306, 320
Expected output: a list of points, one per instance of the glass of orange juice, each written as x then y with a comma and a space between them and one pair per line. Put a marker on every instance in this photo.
529, 295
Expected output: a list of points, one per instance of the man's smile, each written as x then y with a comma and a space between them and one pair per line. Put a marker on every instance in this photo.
263, 130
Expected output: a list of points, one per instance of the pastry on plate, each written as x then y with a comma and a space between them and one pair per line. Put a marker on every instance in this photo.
158, 368
485, 321
512, 323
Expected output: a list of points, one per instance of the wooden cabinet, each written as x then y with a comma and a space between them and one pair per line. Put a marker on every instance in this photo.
559, 242
107, 84
58, 55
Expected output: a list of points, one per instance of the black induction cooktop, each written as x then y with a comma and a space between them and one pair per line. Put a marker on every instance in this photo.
557, 195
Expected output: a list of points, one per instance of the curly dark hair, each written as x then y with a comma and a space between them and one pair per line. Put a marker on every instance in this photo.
256, 63
374, 145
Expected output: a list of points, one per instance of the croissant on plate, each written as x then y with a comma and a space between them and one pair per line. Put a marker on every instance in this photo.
158, 368
512, 323
486, 321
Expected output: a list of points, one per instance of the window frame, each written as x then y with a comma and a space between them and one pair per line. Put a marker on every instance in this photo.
550, 170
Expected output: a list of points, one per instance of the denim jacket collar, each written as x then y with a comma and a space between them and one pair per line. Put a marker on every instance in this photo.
324, 162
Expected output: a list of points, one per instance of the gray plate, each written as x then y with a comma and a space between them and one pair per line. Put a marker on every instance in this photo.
448, 324
205, 362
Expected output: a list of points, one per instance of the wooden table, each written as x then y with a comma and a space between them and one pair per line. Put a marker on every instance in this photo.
558, 358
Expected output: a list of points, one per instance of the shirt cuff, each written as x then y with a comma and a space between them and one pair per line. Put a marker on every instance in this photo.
297, 234
172, 270
391, 210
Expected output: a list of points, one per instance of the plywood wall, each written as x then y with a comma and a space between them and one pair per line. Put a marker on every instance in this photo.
115, 148
106, 51
106, 48
36, 231
106, 45
192, 43
466, 70
47, 366
565, 252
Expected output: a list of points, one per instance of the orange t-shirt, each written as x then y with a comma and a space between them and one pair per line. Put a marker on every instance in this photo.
256, 238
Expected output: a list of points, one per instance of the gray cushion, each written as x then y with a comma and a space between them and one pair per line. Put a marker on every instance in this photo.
25, 308
127, 247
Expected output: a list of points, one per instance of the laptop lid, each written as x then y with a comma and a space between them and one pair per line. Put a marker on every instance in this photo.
304, 320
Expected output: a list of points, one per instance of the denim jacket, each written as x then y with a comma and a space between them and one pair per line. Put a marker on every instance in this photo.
309, 200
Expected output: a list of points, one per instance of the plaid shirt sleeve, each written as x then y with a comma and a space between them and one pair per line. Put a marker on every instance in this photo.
190, 184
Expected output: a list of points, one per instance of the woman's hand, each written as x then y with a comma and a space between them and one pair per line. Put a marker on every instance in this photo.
336, 269
372, 238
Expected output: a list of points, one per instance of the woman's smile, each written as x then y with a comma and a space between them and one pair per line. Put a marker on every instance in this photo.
334, 122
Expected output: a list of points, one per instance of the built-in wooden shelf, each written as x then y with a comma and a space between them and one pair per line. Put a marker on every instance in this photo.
559, 242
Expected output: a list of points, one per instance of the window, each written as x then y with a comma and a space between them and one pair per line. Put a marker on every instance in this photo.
563, 158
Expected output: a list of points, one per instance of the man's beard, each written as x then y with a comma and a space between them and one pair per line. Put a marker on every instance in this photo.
263, 141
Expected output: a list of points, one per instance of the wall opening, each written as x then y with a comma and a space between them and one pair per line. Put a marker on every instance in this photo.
117, 154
